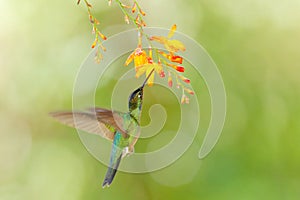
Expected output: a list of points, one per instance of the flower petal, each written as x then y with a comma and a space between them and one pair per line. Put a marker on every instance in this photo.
177, 59
191, 92
172, 31
140, 57
176, 67
185, 79
140, 71
174, 45
160, 39
158, 68
129, 59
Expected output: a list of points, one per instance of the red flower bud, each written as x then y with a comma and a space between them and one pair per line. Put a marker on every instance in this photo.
187, 80
179, 68
133, 8
170, 82
162, 74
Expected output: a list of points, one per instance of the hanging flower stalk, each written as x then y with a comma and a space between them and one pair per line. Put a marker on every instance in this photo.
99, 36
143, 59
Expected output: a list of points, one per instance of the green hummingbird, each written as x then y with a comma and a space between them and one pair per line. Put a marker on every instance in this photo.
123, 129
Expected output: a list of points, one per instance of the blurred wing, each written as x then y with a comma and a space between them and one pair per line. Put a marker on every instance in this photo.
113, 118
102, 123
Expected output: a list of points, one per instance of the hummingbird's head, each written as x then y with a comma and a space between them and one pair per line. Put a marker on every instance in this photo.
136, 98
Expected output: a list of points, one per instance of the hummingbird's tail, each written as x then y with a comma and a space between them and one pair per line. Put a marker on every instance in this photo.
111, 172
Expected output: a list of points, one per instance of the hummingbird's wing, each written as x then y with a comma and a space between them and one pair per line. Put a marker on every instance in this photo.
98, 121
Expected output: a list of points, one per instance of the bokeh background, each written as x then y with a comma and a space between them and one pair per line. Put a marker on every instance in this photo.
256, 47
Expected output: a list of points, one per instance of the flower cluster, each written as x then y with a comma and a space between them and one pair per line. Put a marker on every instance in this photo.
99, 37
144, 61
166, 61
135, 15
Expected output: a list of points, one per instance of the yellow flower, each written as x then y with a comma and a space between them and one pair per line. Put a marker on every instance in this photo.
144, 64
171, 45
139, 56
147, 68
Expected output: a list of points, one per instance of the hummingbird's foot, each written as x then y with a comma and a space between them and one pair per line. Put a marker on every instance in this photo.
131, 151
127, 152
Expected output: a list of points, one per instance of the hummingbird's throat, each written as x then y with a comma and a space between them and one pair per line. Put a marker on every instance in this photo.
136, 113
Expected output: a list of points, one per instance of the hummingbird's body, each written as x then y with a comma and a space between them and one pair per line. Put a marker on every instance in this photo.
123, 129
124, 144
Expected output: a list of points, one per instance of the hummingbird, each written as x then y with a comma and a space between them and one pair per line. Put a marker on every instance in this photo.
122, 128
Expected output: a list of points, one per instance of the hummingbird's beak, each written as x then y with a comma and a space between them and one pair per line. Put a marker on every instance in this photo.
147, 78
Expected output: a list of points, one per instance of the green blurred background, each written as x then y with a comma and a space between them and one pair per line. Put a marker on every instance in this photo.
256, 47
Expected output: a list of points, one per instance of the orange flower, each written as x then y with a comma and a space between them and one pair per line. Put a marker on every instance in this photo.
171, 45
184, 79
177, 59
176, 67
172, 57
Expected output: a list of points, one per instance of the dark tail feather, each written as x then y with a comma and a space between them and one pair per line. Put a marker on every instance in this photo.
111, 172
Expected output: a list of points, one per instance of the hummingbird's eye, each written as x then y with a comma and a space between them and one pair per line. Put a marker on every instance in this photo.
140, 94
